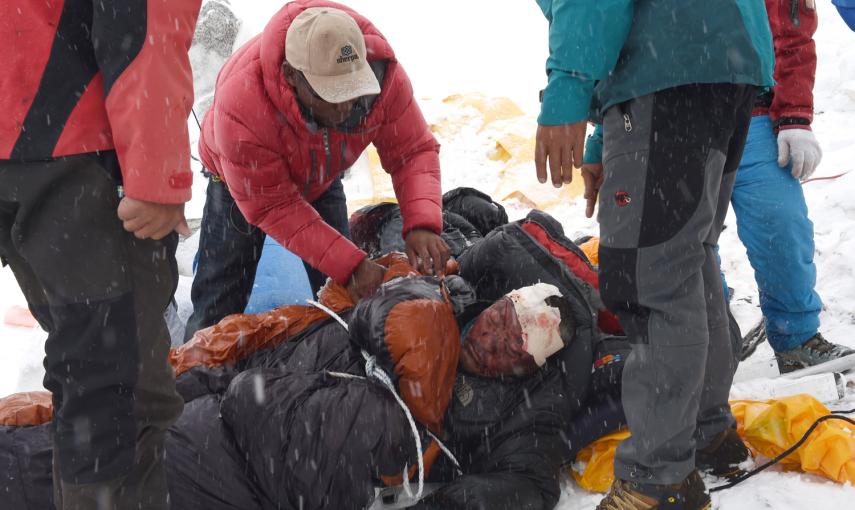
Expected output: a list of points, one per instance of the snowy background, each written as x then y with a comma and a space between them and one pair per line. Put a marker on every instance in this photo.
498, 49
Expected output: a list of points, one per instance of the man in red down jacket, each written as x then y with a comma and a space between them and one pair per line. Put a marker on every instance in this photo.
95, 98
294, 108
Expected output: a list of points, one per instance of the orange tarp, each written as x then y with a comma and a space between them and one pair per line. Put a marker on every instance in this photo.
20, 409
239, 335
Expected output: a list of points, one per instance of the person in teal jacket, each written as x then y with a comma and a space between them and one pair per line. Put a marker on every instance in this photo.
673, 83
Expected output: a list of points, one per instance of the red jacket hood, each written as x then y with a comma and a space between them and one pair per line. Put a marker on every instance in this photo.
272, 53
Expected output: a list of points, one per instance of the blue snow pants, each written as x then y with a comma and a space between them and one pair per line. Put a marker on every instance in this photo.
846, 8
772, 223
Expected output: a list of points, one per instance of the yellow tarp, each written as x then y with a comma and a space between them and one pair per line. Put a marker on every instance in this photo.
768, 427
513, 138
519, 181
599, 462
508, 137
375, 185
381, 182
486, 109
591, 248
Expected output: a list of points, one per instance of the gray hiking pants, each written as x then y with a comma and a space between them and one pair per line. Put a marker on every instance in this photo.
669, 164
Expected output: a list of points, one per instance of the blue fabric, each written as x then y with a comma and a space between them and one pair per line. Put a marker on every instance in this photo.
605, 52
230, 250
847, 12
772, 223
280, 279
727, 295
228, 254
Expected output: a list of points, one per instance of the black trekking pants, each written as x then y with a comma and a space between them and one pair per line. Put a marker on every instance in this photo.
100, 293
230, 249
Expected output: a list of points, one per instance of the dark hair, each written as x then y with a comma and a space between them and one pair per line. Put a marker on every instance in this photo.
289, 69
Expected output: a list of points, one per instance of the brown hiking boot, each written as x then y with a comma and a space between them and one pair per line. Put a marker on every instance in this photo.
689, 495
723, 456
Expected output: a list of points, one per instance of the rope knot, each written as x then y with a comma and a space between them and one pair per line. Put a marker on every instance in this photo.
370, 365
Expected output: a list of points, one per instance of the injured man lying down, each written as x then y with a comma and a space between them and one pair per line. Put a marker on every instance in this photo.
473, 390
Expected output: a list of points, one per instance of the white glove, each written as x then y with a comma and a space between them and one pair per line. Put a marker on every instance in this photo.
801, 146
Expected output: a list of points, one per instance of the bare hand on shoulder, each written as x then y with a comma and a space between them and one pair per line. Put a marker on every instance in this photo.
151, 220
365, 280
427, 252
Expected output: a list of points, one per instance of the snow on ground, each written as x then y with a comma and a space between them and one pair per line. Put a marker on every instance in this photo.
450, 47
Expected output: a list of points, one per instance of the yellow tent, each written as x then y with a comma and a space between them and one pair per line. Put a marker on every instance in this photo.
507, 134
512, 134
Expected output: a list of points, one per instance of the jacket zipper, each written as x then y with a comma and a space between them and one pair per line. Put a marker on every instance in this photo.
343, 148
627, 121
312, 173
328, 153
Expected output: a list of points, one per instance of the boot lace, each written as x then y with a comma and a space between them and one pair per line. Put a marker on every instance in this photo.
818, 344
621, 498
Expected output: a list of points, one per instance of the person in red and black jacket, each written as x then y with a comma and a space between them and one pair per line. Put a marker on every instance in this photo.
771, 214
293, 109
94, 174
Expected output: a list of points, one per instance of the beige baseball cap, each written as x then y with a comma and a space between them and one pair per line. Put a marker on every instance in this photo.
327, 45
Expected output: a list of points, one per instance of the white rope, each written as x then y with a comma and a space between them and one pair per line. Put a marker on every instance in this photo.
330, 313
374, 371
446, 451
345, 375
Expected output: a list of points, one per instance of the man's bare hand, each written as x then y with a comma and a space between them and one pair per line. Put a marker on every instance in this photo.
150, 220
561, 148
365, 280
592, 174
428, 248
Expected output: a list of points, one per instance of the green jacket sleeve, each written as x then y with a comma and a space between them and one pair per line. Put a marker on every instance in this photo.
585, 40
594, 147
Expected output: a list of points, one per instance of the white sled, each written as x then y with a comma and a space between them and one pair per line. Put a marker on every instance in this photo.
396, 497
825, 382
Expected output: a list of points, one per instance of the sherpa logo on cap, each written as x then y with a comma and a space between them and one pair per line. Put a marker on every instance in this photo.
347, 55
328, 47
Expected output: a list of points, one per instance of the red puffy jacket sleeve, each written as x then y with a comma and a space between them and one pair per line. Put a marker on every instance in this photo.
149, 91
260, 184
410, 154
795, 62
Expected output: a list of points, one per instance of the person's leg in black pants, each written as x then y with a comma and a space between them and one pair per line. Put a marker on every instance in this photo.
332, 206
100, 294
229, 251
